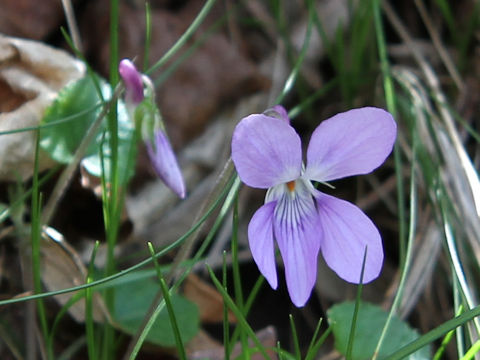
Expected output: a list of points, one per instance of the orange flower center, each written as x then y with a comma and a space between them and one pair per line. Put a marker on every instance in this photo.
291, 185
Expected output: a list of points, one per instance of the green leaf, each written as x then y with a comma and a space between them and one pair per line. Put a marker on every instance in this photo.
71, 115
370, 322
62, 139
127, 149
133, 297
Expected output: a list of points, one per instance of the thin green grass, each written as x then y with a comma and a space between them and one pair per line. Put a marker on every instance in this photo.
126, 271
296, 344
148, 35
358, 301
237, 280
92, 345
35, 241
242, 321
112, 199
184, 38
168, 304
435, 334
233, 189
226, 322
353, 56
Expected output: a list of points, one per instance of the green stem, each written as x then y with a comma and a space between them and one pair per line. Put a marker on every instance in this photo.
237, 281
36, 238
185, 36
168, 303
433, 335
124, 272
226, 323
110, 186
408, 255
232, 188
89, 321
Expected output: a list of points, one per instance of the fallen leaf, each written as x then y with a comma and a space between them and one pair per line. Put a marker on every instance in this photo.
31, 74
207, 298
62, 269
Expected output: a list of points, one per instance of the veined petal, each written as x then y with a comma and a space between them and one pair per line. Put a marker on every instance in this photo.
347, 231
266, 151
260, 239
165, 164
350, 143
133, 82
297, 231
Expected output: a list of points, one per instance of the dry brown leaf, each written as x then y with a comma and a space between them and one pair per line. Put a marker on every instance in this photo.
207, 298
62, 269
31, 74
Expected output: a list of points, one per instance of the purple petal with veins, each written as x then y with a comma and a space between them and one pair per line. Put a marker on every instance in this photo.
266, 152
346, 233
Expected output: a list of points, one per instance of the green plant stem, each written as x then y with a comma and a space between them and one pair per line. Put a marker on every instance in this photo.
89, 320
433, 335
351, 337
185, 36
148, 35
223, 182
237, 281
292, 77
316, 348
391, 106
226, 323
248, 304
474, 349
168, 304
110, 188
59, 316
36, 238
241, 319
69, 171
296, 344
232, 187
66, 119
448, 337
408, 255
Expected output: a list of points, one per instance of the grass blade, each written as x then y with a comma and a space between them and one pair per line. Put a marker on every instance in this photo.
168, 304
241, 319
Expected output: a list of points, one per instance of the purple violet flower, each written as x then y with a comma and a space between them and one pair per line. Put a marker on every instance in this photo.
165, 164
133, 82
158, 147
267, 154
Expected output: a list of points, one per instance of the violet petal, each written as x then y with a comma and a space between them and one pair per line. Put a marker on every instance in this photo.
266, 151
260, 239
165, 164
346, 232
133, 82
350, 143
298, 234
278, 112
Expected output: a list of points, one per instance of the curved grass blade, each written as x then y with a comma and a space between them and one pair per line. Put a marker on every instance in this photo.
168, 304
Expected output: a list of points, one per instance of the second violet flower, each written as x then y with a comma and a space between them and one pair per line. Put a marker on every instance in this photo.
158, 146
302, 220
